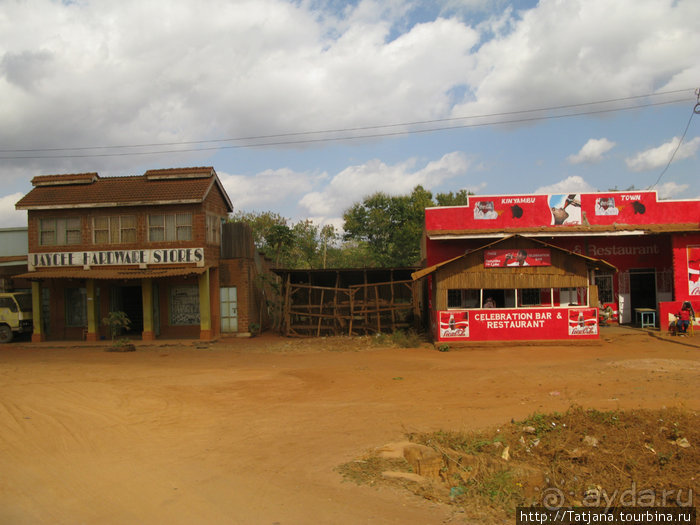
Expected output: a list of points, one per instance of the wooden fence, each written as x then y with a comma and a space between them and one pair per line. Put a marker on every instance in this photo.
351, 309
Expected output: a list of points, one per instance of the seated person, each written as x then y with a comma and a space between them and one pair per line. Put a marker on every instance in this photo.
489, 303
605, 313
684, 318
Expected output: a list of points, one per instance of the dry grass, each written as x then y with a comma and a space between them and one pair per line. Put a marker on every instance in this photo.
578, 458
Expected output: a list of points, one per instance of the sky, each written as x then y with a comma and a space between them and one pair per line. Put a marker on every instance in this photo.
304, 107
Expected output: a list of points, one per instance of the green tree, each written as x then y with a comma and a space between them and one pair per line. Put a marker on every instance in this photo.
262, 224
280, 239
460, 198
391, 226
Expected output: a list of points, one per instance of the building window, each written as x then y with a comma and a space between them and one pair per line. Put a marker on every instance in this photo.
213, 229
530, 296
604, 282
76, 306
170, 227
54, 232
462, 298
114, 230
184, 305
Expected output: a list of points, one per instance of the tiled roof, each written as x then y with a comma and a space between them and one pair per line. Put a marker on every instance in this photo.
70, 178
185, 185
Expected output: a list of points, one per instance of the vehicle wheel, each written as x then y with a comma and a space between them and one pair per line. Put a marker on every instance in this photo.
5, 334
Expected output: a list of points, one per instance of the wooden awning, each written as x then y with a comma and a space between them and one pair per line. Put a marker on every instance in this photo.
591, 261
111, 273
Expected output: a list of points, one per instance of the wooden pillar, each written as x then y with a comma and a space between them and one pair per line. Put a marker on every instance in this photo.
205, 332
148, 333
286, 316
37, 335
92, 321
379, 313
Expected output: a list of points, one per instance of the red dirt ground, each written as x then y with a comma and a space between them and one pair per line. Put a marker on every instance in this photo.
249, 431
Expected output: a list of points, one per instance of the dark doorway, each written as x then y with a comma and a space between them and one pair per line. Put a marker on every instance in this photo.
128, 299
642, 289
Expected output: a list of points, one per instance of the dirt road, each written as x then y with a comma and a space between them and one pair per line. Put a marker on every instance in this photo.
250, 431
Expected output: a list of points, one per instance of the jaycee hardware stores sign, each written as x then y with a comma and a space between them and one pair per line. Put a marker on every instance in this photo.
117, 258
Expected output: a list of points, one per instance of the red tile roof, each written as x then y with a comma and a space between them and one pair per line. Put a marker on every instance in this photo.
71, 178
172, 186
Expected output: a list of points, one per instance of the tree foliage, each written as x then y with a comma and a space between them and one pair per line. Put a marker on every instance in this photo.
294, 245
382, 230
392, 226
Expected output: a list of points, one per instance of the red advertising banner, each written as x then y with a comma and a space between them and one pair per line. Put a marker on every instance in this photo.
559, 210
523, 257
694, 270
525, 324
454, 324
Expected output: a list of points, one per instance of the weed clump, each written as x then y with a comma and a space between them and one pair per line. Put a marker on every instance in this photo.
588, 457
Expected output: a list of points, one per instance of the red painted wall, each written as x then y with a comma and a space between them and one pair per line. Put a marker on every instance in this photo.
686, 262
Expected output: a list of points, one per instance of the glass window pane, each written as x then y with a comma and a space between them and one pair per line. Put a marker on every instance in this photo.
184, 233
129, 235
170, 234
73, 237
76, 306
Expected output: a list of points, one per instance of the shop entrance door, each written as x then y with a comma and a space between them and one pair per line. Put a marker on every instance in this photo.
229, 309
642, 289
156, 309
128, 299
46, 312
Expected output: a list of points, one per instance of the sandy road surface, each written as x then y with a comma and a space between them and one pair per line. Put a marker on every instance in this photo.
249, 431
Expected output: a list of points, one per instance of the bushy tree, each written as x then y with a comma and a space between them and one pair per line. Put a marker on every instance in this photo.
390, 225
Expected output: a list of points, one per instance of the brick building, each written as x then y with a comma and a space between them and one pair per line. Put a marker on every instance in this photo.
147, 245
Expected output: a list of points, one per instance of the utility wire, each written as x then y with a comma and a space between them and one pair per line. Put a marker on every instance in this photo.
696, 110
340, 130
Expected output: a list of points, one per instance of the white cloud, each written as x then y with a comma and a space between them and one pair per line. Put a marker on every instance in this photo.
669, 190
140, 72
9, 217
133, 72
560, 53
592, 151
658, 157
572, 184
266, 189
356, 182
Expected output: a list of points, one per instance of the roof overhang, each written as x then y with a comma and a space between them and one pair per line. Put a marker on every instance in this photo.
452, 236
112, 273
563, 231
597, 263
108, 204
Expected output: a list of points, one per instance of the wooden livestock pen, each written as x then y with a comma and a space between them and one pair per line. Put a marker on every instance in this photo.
348, 301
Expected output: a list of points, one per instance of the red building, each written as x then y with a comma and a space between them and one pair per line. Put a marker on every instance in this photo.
654, 245
147, 245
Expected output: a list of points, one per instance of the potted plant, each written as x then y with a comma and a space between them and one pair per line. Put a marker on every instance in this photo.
117, 322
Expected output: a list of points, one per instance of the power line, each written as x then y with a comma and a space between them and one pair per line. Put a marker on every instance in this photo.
696, 110
343, 130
